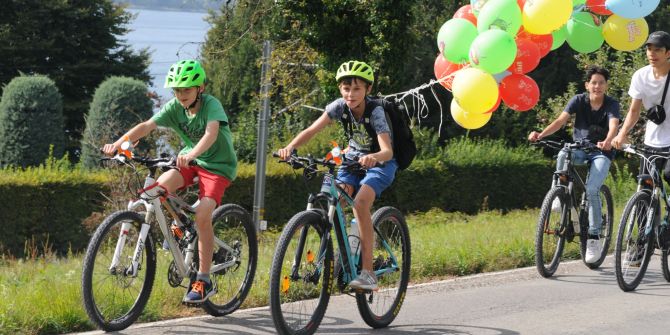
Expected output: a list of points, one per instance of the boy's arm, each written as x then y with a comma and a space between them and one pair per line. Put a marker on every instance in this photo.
134, 134
606, 144
305, 135
560, 121
384, 154
631, 119
211, 132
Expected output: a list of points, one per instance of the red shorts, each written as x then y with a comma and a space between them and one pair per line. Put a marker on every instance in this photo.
211, 185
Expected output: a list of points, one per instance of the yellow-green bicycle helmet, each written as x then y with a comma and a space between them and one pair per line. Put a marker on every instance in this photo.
354, 68
185, 73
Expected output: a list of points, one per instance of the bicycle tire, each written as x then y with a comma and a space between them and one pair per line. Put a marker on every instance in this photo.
286, 293
98, 256
664, 264
630, 228
552, 234
368, 305
607, 213
232, 224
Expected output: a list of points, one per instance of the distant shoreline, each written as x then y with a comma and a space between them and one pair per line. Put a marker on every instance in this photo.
166, 9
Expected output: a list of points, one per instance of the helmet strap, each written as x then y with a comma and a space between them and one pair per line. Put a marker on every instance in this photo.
197, 98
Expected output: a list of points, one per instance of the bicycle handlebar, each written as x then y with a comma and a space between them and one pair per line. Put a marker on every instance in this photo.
630, 148
580, 145
161, 162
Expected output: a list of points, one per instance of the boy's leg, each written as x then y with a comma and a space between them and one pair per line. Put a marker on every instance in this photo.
212, 187
171, 180
375, 181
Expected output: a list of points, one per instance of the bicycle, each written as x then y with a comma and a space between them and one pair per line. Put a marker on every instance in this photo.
640, 228
568, 186
303, 268
120, 261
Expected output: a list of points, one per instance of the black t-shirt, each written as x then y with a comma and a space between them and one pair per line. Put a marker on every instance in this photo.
592, 124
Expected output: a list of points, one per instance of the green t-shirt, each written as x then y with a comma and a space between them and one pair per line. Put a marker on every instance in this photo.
220, 158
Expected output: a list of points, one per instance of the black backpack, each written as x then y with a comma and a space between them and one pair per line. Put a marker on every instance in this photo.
404, 148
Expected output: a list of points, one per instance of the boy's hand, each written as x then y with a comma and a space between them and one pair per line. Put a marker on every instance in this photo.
368, 161
533, 136
110, 149
182, 161
285, 153
619, 140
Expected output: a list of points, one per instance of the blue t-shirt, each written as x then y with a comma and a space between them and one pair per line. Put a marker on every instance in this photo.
592, 124
360, 142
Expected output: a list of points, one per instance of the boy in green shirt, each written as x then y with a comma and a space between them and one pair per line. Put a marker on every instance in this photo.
202, 125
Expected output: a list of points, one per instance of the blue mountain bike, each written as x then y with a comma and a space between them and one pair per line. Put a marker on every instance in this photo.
304, 271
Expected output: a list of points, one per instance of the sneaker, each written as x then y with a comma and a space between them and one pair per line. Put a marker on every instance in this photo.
365, 281
593, 251
556, 205
634, 257
199, 291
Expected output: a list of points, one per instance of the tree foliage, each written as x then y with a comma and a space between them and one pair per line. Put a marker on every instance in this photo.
118, 104
76, 43
31, 121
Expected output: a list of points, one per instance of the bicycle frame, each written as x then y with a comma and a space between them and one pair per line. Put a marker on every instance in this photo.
349, 261
571, 176
182, 262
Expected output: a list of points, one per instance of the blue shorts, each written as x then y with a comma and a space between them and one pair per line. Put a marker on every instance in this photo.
379, 178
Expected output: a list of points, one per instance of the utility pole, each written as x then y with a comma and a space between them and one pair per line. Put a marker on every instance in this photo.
263, 117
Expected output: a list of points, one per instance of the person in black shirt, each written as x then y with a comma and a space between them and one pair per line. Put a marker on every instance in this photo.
597, 117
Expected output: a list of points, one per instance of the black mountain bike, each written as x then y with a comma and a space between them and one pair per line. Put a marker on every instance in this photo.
640, 230
304, 272
558, 224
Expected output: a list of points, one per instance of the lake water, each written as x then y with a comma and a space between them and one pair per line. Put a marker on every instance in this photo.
170, 36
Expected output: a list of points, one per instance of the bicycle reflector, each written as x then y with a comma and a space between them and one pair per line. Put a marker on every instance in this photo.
285, 283
310, 257
335, 154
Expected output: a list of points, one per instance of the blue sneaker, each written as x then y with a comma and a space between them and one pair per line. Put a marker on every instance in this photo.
199, 291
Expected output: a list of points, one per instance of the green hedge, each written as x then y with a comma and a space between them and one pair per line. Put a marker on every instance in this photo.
47, 204
467, 177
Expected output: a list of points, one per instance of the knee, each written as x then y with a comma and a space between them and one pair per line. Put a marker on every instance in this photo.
362, 205
592, 191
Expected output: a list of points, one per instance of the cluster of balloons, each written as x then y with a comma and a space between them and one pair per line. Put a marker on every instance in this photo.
489, 46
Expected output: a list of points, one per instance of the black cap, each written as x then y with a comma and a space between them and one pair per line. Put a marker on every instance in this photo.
660, 39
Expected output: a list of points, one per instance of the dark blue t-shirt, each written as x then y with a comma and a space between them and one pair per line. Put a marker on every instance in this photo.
592, 124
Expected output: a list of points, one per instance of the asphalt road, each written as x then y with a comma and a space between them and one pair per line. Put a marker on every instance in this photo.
575, 301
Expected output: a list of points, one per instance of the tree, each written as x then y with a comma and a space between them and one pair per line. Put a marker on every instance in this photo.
118, 104
75, 43
31, 121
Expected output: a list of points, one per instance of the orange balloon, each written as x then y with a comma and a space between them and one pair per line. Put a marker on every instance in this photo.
519, 92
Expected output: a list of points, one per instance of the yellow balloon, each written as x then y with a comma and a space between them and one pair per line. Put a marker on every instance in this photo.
541, 17
468, 120
475, 90
625, 34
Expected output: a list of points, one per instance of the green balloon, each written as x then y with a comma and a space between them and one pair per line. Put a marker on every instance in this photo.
500, 14
576, 3
584, 32
559, 36
493, 51
455, 38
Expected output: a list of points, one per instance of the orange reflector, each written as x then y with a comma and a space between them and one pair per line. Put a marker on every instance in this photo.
563, 178
649, 182
310, 257
285, 285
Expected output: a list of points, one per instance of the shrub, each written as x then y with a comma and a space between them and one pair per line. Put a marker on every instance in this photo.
31, 120
45, 206
119, 103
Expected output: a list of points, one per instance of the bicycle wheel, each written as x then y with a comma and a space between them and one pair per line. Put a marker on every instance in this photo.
232, 225
607, 213
633, 248
113, 298
664, 264
391, 252
550, 232
300, 287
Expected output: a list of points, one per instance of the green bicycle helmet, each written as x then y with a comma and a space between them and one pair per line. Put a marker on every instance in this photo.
354, 68
185, 73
